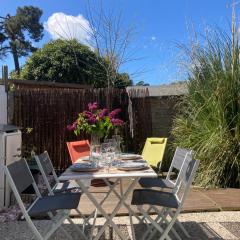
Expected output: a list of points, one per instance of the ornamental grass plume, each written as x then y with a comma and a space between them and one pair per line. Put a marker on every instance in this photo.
209, 121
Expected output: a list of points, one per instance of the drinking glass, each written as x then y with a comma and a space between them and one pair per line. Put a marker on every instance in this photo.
107, 153
95, 154
118, 150
104, 148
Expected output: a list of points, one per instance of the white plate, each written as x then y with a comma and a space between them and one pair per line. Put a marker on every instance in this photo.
129, 156
132, 166
84, 167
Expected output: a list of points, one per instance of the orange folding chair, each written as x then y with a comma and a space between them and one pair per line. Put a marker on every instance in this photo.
78, 149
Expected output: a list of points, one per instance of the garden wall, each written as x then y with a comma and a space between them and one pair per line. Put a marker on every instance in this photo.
163, 111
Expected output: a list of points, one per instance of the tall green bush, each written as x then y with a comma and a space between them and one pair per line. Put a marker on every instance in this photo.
209, 121
68, 61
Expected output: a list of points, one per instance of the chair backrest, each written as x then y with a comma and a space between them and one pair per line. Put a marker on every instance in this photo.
177, 161
20, 178
19, 175
46, 168
153, 150
186, 176
78, 149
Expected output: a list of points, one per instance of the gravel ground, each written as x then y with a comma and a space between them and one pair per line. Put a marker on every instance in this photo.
214, 226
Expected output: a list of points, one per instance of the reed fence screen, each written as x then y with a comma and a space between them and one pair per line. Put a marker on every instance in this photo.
47, 111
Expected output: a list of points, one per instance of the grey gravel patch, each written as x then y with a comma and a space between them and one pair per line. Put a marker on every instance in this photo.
19, 230
199, 231
233, 227
201, 228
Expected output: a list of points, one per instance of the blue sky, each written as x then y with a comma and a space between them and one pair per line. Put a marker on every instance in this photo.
159, 26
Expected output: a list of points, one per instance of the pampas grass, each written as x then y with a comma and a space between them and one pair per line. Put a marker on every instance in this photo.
209, 121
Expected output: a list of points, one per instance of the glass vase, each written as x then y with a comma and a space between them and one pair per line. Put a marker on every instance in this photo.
95, 139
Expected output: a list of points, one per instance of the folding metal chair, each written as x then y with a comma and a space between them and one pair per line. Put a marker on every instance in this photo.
176, 164
46, 168
169, 201
56, 207
168, 183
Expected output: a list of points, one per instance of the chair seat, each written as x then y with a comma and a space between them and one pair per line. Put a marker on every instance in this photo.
56, 202
153, 197
155, 182
66, 186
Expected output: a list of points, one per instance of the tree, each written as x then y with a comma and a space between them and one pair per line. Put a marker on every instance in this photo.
111, 39
68, 61
123, 80
13, 29
142, 83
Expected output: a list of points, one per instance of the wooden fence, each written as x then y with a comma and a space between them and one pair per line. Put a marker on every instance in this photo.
47, 111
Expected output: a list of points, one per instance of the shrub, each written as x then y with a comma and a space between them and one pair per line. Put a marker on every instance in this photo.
209, 122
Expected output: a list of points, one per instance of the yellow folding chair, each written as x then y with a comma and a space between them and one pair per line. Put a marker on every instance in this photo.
153, 151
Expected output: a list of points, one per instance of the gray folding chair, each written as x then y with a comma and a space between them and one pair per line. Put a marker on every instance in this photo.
56, 207
168, 183
46, 168
176, 164
171, 202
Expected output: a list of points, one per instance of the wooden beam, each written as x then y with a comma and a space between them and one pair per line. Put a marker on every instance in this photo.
5, 76
49, 84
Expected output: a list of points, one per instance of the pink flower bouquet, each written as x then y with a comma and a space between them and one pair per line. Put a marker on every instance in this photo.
96, 121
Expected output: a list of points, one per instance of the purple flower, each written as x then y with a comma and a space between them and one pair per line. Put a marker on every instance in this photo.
92, 106
87, 114
117, 122
72, 127
114, 113
102, 113
92, 120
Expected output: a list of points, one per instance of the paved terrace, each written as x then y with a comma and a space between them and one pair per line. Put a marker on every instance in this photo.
219, 218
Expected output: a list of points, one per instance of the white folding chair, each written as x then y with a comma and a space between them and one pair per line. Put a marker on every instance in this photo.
57, 207
176, 164
168, 183
46, 168
169, 201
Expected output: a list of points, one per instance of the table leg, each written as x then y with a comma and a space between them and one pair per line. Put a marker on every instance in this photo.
120, 196
101, 210
104, 199
118, 206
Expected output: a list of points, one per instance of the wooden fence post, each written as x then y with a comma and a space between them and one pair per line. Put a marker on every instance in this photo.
5, 76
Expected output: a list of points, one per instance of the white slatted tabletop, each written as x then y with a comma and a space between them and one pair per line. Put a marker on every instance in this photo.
103, 173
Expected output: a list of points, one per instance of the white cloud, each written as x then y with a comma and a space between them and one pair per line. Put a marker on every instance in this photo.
63, 26
153, 38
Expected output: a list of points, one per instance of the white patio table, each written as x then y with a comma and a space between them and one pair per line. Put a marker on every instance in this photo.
115, 176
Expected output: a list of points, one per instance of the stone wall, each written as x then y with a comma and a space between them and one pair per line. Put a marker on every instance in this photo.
163, 112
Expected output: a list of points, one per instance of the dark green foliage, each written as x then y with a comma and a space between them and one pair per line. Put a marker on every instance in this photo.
68, 61
210, 119
13, 31
142, 83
